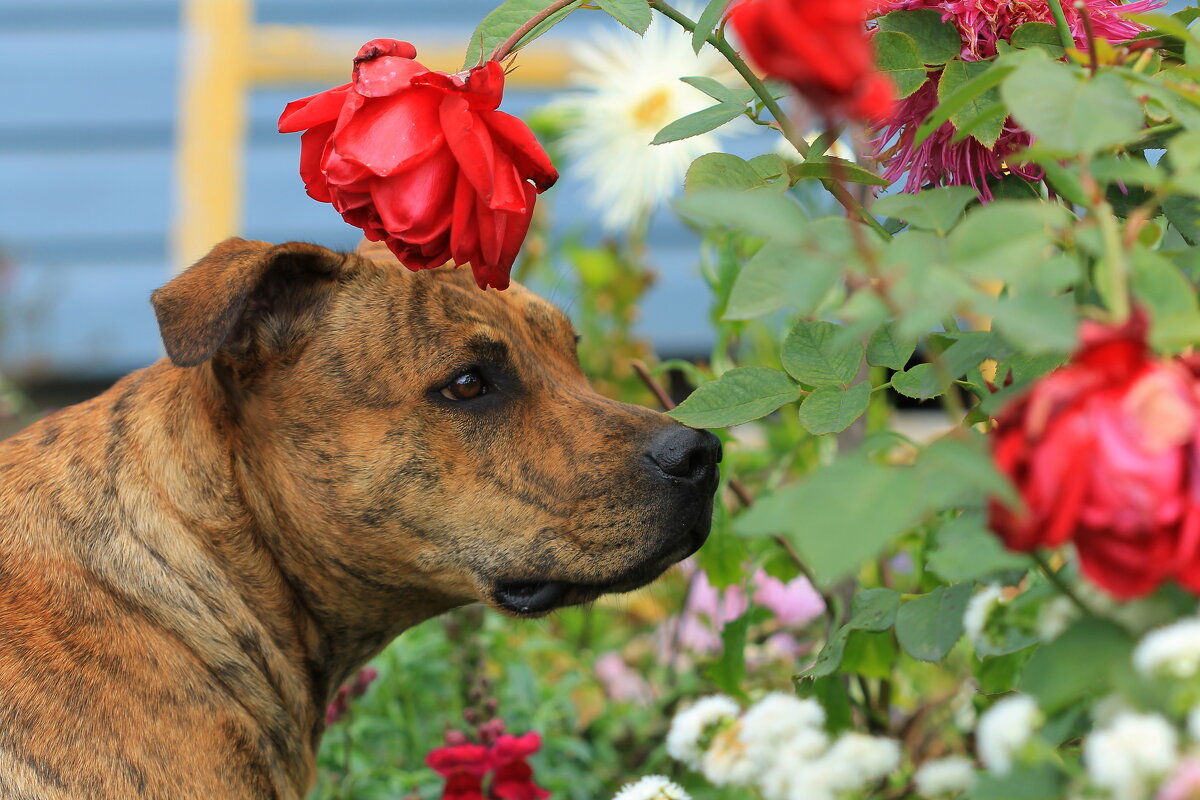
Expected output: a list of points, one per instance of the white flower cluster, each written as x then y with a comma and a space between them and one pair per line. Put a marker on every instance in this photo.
942, 777
1005, 729
978, 610
652, 787
1172, 651
1128, 756
779, 745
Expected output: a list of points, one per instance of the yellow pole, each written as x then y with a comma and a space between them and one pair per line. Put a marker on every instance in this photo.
211, 126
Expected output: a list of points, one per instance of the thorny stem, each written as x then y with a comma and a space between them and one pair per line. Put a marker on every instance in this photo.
741, 492
1060, 22
848, 201
509, 44
1056, 579
1093, 57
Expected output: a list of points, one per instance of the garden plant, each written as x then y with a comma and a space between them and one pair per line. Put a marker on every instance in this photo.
984, 208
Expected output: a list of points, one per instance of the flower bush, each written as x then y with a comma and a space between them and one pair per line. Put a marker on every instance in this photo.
955, 552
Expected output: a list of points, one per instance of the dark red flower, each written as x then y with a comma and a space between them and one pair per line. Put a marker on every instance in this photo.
423, 161
514, 777
463, 766
1104, 453
821, 48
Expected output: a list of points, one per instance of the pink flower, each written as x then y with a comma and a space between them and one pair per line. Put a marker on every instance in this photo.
982, 24
1184, 783
621, 682
794, 603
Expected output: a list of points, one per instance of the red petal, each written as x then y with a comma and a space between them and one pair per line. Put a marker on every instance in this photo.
314, 144
470, 143
318, 109
418, 205
464, 230
392, 134
524, 148
386, 76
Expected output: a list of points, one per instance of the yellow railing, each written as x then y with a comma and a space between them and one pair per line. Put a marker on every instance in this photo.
225, 57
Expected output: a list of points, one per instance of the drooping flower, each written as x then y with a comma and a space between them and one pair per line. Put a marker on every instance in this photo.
652, 787
1104, 452
513, 779
629, 90
821, 49
982, 24
1004, 729
1131, 753
423, 161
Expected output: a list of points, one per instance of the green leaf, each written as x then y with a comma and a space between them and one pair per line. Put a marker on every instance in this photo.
1069, 114
839, 516
933, 209
700, 122
897, 56
1093, 648
887, 348
721, 171
1006, 238
777, 276
830, 692
758, 212
815, 354
919, 383
1184, 214
830, 658
723, 554
955, 75
832, 409
929, 626
874, 610
633, 14
507, 19
1043, 782
951, 468
832, 168
738, 396
717, 90
937, 41
871, 655
1170, 299
950, 105
707, 21
1037, 322
729, 671
1039, 34
966, 551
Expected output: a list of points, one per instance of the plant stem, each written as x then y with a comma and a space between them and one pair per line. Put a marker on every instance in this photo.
509, 44
769, 102
1060, 22
1093, 57
1053, 576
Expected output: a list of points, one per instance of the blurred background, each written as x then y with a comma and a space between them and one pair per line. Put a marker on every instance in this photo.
137, 133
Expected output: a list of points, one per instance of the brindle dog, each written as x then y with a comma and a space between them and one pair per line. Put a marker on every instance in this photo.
338, 449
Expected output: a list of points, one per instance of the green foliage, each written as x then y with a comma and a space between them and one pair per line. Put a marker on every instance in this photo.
817, 354
699, 122
929, 625
899, 57
633, 14
937, 41
506, 20
738, 396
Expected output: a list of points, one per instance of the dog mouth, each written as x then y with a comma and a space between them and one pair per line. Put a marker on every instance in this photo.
533, 598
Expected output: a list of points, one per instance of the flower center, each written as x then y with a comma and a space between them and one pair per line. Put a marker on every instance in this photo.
653, 110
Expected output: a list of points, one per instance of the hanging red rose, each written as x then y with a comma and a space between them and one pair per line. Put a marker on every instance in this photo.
821, 48
423, 161
1105, 452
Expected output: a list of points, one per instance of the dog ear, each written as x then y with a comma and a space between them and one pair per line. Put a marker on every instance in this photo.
200, 311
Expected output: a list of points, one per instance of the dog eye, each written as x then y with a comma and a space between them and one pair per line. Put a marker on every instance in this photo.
466, 386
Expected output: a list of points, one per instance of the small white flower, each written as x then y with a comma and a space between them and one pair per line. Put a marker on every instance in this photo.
945, 776
652, 787
1004, 729
1172, 651
857, 760
1056, 617
727, 761
978, 610
1193, 724
777, 718
692, 723
1127, 756
631, 91
791, 768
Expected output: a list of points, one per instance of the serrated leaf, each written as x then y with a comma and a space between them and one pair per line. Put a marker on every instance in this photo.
897, 56
933, 209
832, 409
887, 348
919, 383
707, 21
928, 627
505, 20
721, 171
1094, 648
780, 275
738, 396
717, 90
700, 122
1069, 114
951, 104
937, 41
955, 75
1039, 34
1006, 238
966, 551
1037, 322
633, 14
813, 354
762, 213
832, 168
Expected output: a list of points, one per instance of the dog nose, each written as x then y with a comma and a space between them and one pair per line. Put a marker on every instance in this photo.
685, 452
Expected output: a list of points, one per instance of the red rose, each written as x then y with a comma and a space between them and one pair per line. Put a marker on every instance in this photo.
463, 766
1104, 452
821, 48
514, 777
423, 161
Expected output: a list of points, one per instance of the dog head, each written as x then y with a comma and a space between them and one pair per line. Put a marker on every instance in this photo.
408, 435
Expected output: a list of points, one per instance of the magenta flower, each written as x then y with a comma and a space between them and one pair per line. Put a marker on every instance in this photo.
1184, 783
794, 604
982, 23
